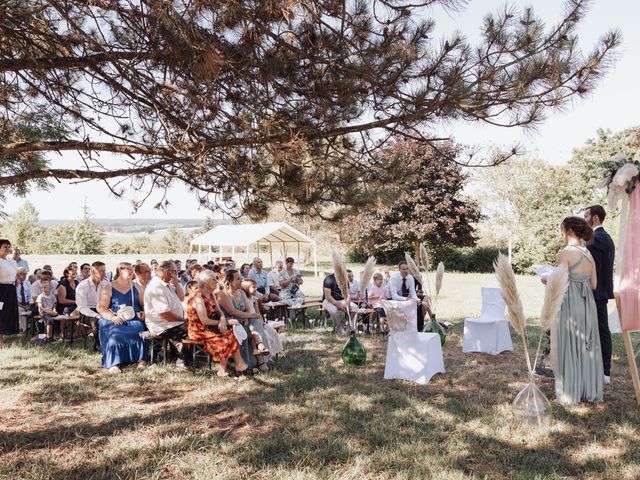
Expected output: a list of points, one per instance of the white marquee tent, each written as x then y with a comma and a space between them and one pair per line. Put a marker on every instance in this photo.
244, 236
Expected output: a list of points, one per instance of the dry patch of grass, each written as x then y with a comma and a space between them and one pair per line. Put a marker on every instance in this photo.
311, 418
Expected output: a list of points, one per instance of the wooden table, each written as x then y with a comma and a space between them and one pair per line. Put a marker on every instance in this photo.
301, 310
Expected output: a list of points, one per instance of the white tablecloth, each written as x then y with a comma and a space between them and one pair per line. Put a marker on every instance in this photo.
413, 356
487, 336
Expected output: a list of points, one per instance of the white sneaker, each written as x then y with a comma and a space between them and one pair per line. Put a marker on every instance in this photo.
114, 370
607, 379
180, 365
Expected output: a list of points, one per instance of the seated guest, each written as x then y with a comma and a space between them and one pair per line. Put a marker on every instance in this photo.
290, 281
121, 321
333, 301
189, 289
34, 276
377, 293
154, 267
178, 264
231, 263
88, 294
85, 272
142, 278
273, 281
403, 287
244, 270
386, 278
45, 276
163, 309
259, 276
23, 292
256, 325
235, 304
354, 288
208, 324
46, 302
66, 293
193, 270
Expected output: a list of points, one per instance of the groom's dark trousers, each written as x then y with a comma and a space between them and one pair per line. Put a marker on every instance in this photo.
603, 252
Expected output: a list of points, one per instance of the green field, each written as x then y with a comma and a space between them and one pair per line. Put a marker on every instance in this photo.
310, 418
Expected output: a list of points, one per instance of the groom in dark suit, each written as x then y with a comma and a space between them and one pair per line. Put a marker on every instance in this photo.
603, 252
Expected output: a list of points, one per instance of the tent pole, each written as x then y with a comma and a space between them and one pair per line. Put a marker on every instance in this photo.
199, 252
209, 254
298, 259
220, 254
271, 252
233, 252
315, 259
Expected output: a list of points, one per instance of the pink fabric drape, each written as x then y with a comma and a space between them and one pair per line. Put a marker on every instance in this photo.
630, 275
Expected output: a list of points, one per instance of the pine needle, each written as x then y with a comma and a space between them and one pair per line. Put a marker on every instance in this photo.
413, 268
557, 285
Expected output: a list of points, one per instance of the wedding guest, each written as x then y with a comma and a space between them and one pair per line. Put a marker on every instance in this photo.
194, 269
46, 302
377, 293
579, 370
273, 280
333, 301
85, 272
121, 321
9, 324
178, 264
66, 292
259, 337
164, 311
88, 293
354, 287
403, 287
142, 278
235, 304
45, 276
290, 281
386, 278
189, 289
245, 270
23, 294
20, 262
603, 252
208, 324
154, 267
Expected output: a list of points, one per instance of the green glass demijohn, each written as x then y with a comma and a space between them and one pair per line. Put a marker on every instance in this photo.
353, 352
432, 326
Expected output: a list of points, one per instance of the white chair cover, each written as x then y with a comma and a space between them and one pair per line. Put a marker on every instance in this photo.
410, 355
490, 332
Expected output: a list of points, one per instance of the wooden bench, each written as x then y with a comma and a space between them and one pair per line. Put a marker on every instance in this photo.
197, 352
301, 310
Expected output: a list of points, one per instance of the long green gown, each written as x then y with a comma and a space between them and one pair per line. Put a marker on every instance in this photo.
579, 372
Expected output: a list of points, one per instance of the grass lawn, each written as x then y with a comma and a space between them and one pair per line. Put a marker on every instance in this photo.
310, 418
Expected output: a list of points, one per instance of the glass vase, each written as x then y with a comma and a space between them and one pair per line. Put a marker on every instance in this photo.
353, 352
531, 406
432, 326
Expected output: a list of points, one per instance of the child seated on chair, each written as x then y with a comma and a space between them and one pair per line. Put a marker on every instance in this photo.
376, 295
47, 308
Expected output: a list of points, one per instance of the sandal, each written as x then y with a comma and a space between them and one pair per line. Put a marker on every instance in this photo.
263, 364
247, 372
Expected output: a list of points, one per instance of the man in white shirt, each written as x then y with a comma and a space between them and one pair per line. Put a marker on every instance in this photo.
403, 287
21, 262
164, 314
88, 294
23, 292
354, 287
273, 281
36, 287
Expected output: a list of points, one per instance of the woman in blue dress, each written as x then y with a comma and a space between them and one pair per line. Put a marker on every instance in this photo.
121, 322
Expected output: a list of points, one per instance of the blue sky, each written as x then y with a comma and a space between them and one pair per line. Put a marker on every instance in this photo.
614, 105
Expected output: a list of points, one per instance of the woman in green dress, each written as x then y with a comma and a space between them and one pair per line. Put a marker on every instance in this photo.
579, 373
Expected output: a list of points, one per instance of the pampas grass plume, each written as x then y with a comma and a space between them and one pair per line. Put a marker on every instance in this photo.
555, 289
340, 272
439, 277
413, 268
367, 273
507, 280
424, 259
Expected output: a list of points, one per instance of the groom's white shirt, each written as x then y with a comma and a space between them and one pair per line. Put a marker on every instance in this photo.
396, 287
